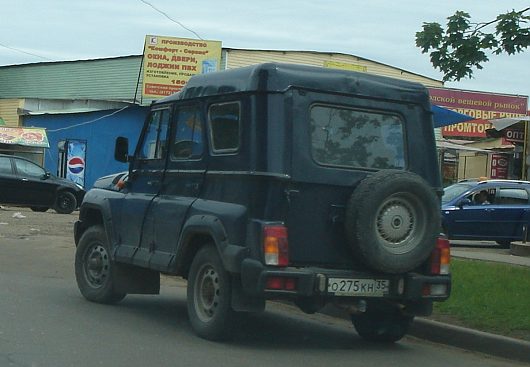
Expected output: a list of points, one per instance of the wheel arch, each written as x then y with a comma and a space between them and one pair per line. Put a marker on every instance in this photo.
89, 216
200, 230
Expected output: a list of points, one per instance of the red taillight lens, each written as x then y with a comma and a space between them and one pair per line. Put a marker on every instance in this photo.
275, 245
441, 257
281, 283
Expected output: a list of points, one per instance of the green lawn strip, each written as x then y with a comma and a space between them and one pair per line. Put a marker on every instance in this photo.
490, 297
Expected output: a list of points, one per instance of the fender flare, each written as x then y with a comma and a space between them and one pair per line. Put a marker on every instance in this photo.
231, 255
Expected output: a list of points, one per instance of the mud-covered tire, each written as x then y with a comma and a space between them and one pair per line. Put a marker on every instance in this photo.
209, 296
94, 268
383, 326
65, 202
392, 221
39, 209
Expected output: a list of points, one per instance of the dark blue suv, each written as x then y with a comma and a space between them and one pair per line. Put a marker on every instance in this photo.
494, 210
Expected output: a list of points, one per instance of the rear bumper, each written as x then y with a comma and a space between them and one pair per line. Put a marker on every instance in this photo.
313, 282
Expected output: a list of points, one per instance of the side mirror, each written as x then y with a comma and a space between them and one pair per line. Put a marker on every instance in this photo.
121, 149
464, 202
45, 176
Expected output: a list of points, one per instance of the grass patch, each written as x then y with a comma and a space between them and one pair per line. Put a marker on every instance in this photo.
488, 296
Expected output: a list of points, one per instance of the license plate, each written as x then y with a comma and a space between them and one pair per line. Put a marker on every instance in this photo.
358, 287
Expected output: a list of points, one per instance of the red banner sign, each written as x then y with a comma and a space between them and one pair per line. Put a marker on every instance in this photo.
481, 106
499, 166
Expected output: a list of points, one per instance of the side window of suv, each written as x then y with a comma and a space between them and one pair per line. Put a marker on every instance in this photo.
351, 138
224, 120
154, 144
188, 136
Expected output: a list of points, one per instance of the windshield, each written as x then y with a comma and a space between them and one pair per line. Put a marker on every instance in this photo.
455, 190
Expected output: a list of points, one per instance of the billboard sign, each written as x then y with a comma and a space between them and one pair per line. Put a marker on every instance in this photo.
170, 62
30, 137
479, 105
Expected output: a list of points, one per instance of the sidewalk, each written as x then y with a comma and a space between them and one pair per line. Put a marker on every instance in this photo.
495, 257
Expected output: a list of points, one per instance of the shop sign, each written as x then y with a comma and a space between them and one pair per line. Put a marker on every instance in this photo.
345, 66
170, 62
31, 137
514, 135
499, 166
481, 106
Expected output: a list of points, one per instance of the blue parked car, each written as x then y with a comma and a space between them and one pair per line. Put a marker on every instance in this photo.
492, 210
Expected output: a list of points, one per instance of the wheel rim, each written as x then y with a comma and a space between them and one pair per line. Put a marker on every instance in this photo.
207, 292
96, 265
64, 202
399, 223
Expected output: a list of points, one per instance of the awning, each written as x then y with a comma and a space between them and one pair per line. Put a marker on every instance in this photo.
29, 137
444, 144
444, 117
504, 122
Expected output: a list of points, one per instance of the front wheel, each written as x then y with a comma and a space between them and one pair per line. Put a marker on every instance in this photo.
65, 203
209, 295
94, 268
386, 326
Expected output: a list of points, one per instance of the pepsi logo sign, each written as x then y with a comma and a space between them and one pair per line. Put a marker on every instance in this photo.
76, 165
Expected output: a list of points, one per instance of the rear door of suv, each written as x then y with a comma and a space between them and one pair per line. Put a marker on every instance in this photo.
337, 141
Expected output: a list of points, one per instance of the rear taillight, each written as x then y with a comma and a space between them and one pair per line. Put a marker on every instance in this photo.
441, 257
275, 245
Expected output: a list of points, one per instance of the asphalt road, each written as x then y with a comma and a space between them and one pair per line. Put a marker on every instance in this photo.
44, 321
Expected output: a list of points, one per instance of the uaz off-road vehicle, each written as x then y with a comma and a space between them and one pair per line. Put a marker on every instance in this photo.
276, 182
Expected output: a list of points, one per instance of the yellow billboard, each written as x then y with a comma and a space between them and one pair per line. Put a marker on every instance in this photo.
345, 66
170, 62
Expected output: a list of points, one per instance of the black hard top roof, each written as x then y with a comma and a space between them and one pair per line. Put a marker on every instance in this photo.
276, 77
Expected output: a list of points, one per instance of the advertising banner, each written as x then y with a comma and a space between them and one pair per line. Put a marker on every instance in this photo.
75, 162
30, 137
499, 166
170, 62
481, 106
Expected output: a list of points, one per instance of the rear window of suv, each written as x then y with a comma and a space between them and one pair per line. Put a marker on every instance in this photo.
356, 138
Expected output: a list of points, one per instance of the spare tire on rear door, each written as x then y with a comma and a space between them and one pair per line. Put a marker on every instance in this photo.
392, 221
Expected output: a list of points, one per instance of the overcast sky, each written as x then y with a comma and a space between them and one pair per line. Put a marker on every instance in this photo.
382, 31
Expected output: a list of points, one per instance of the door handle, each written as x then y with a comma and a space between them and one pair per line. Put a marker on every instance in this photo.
25, 180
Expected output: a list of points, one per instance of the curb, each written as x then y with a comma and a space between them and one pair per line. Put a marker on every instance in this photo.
457, 336
478, 341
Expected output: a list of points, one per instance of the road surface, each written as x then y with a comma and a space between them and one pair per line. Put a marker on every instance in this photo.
44, 321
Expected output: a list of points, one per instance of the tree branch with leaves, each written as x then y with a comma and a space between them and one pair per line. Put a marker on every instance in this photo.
462, 46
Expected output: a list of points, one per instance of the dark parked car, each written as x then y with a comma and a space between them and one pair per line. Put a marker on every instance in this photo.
24, 183
276, 182
494, 210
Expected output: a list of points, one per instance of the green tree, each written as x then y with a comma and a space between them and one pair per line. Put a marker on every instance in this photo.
462, 46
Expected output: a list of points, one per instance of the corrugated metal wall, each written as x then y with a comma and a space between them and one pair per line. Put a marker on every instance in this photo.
107, 79
235, 58
8, 111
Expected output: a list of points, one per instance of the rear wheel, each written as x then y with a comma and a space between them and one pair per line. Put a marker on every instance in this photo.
209, 295
94, 268
65, 203
379, 325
